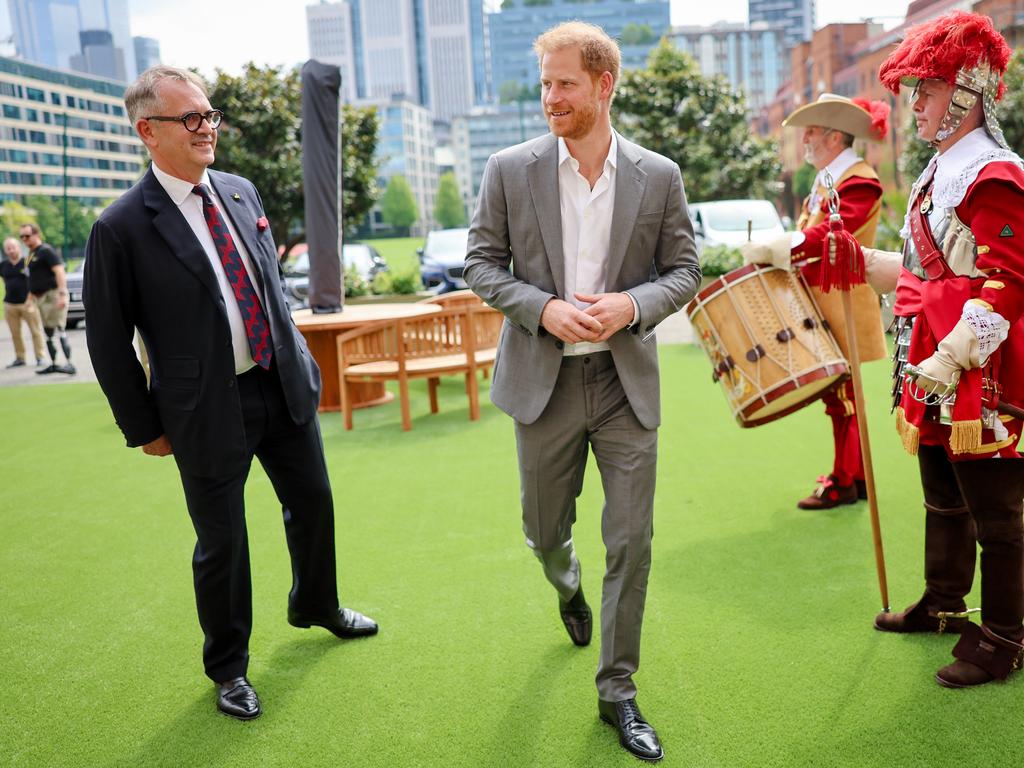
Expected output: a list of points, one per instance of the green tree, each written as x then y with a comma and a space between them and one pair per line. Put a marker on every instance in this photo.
1010, 108
637, 34
261, 139
12, 216
803, 178
398, 206
701, 123
916, 153
49, 217
448, 208
359, 131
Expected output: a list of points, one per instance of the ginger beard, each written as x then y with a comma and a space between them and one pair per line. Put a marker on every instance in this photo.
573, 122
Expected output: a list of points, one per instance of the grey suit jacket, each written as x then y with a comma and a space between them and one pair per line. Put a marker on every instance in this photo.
515, 263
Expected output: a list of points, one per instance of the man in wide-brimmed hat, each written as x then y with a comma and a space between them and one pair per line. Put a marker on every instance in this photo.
830, 126
959, 300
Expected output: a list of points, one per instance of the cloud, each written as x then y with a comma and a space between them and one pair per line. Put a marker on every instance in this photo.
210, 35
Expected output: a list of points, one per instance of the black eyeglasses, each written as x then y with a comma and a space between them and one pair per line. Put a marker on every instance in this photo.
192, 120
24, 237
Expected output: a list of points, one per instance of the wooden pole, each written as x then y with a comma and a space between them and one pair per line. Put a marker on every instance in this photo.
865, 447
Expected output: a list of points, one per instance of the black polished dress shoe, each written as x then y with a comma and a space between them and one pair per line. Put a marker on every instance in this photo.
237, 698
635, 734
577, 618
345, 622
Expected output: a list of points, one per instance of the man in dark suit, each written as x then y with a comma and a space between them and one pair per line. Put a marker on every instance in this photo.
581, 238
187, 257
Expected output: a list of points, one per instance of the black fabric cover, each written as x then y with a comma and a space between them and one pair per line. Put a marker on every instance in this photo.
321, 170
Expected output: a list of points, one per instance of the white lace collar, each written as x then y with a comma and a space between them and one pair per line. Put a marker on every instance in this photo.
956, 169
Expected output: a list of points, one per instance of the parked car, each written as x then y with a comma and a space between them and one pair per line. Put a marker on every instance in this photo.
364, 257
76, 309
724, 222
442, 259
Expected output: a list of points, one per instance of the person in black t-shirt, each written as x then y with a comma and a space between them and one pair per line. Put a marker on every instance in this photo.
47, 280
17, 305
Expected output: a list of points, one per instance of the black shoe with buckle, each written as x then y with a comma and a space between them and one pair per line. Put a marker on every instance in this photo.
237, 698
636, 735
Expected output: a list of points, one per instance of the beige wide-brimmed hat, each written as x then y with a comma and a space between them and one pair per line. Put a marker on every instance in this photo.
861, 118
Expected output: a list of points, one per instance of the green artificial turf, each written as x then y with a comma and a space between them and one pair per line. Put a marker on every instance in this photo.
399, 252
758, 647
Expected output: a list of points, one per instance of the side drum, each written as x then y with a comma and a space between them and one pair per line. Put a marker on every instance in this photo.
769, 347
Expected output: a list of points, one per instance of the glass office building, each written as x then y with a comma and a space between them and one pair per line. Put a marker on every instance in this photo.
43, 109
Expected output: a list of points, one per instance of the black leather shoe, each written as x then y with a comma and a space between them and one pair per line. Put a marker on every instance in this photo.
345, 623
577, 618
237, 698
51, 368
635, 734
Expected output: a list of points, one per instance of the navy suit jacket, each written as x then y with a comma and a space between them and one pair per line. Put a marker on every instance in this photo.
146, 269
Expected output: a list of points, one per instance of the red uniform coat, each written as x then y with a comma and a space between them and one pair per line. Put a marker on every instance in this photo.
860, 205
993, 209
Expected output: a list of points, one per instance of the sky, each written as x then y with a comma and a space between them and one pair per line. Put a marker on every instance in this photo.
224, 35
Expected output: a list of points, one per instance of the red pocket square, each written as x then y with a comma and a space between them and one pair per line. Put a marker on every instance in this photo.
262, 223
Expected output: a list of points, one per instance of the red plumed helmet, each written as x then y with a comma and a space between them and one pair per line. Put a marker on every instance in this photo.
879, 112
939, 49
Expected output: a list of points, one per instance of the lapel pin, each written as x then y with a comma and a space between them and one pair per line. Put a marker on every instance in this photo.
236, 197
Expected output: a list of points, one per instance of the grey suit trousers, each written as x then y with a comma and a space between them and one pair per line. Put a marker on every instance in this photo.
589, 410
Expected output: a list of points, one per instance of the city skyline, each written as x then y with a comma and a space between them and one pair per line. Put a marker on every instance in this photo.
279, 28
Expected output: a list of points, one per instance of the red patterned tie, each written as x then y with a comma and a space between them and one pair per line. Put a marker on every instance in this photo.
256, 328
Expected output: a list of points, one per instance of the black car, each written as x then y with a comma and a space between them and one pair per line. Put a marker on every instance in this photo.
76, 309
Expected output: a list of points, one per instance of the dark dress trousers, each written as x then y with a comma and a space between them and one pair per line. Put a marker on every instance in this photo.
146, 269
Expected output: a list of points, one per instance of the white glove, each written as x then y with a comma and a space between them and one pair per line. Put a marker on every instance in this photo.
958, 351
882, 268
775, 252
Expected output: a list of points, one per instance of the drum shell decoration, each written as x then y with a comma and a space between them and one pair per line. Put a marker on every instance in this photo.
769, 347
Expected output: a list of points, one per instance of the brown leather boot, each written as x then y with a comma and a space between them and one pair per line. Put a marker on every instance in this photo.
919, 617
949, 556
981, 656
829, 494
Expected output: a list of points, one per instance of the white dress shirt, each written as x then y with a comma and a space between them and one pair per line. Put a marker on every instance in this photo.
586, 231
191, 207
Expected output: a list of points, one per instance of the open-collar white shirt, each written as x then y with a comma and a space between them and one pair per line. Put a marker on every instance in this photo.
586, 230
191, 207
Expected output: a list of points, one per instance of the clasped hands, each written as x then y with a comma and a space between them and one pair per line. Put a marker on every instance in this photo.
607, 314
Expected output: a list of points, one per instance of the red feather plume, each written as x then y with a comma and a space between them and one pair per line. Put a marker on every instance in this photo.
937, 49
879, 112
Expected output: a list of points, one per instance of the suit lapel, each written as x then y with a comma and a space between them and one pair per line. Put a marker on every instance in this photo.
178, 235
233, 205
542, 176
630, 183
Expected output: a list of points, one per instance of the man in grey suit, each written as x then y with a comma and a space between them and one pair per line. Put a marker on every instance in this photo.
582, 240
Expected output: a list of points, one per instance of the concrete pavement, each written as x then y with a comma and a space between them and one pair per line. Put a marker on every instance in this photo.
674, 330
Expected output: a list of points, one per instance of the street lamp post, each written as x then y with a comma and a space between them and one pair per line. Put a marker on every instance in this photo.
65, 163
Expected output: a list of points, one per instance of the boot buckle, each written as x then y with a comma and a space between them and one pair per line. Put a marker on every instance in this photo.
942, 616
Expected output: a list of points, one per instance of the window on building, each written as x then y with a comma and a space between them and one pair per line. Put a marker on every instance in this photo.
12, 112
34, 94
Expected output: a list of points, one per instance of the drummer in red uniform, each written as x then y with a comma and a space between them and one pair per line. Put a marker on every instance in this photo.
830, 126
960, 300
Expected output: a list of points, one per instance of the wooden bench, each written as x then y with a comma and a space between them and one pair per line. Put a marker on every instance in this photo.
461, 340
